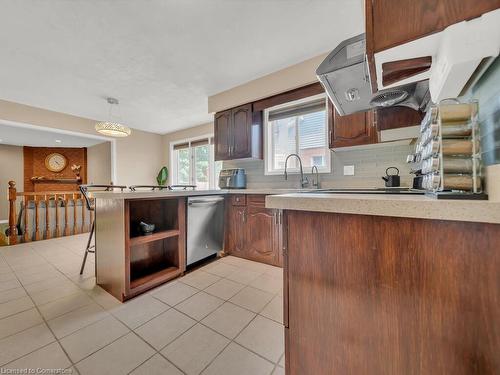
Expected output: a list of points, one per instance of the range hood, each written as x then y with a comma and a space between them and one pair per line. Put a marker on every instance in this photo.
345, 76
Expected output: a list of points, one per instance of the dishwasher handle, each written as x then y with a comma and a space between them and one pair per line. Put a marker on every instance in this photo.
204, 201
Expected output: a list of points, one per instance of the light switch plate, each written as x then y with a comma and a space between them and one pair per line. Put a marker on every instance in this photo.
348, 170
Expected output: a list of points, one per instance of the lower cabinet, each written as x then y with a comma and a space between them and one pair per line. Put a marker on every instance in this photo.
389, 296
253, 231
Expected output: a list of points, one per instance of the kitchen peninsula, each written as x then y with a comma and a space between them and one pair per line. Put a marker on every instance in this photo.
408, 284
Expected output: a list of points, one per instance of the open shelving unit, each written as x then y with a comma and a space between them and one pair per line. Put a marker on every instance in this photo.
156, 258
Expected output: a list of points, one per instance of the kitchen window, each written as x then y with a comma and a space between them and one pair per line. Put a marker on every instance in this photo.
298, 127
192, 163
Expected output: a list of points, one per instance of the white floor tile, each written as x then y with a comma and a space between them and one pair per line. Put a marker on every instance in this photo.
267, 283
229, 319
220, 269
48, 357
238, 360
165, 328
22, 343
224, 289
15, 306
156, 365
199, 305
264, 337
199, 279
93, 337
279, 371
274, 309
243, 276
195, 349
9, 295
73, 321
64, 305
139, 310
19, 322
120, 357
174, 293
252, 299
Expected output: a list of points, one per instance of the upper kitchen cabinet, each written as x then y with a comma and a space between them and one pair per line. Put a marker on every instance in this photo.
351, 130
392, 24
363, 128
238, 133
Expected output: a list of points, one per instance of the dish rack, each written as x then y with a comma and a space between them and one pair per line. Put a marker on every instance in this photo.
447, 154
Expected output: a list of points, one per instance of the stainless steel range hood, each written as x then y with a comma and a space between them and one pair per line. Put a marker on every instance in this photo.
345, 76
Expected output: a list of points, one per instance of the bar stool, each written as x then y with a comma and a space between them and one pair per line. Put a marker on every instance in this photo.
90, 203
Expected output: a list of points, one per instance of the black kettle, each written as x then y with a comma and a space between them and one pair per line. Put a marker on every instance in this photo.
391, 180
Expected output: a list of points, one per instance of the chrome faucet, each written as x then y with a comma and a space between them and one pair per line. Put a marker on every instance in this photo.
315, 183
303, 180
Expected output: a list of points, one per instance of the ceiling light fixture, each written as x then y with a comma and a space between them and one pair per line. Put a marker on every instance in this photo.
58, 141
111, 128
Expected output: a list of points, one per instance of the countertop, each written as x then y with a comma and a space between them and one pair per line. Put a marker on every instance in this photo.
127, 194
413, 206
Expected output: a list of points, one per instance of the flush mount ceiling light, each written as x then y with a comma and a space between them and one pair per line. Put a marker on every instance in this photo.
111, 128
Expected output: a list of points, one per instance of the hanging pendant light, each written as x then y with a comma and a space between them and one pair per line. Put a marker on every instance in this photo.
110, 128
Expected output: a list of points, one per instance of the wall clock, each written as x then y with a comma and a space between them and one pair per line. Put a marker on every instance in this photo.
55, 162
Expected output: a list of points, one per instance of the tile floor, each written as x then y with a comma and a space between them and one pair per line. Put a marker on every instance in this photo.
224, 318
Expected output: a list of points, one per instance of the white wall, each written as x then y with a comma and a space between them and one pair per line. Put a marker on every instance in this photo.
138, 157
99, 164
11, 168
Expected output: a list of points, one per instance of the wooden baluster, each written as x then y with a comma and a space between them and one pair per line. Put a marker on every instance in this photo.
66, 216
12, 213
75, 228
84, 227
47, 217
37, 220
26, 231
58, 224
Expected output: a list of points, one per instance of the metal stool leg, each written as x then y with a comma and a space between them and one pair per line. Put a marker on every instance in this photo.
87, 249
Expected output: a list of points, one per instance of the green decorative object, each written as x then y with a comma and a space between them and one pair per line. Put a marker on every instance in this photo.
162, 177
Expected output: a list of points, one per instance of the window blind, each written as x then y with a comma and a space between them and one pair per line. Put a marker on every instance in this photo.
181, 146
298, 110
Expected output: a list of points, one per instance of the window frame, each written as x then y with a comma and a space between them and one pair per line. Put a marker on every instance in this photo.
268, 146
212, 183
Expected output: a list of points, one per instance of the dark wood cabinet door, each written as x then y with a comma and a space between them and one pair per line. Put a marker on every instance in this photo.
222, 135
390, 23
241, 131
390, 296
351, 130
236, 231
261, 235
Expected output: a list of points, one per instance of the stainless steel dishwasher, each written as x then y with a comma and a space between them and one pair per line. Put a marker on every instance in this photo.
205, 227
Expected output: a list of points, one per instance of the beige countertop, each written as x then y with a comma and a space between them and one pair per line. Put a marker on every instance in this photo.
413, 206
127, 194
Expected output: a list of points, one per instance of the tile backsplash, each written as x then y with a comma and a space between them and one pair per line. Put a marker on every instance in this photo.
369, 163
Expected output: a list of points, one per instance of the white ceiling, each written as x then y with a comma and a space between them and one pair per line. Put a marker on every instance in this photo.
32, 136
160, 58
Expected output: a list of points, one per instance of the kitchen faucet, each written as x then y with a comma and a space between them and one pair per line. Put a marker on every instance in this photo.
303, 180
315, 183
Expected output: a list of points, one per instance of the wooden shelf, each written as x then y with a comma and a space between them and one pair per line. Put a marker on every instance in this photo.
154, 278
156, 236
56, 180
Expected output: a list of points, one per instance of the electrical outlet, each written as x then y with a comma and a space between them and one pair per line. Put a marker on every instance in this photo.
348, 170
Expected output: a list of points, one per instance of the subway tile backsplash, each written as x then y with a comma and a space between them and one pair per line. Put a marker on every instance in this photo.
369, 163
